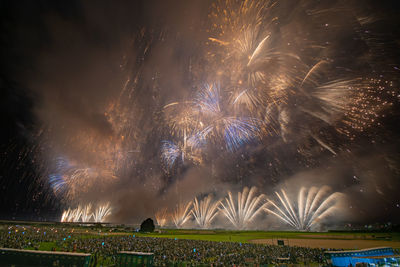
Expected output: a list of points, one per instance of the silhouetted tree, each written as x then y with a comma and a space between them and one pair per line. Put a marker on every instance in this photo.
147, 226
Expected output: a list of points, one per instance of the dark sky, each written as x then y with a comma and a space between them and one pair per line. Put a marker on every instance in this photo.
61, 68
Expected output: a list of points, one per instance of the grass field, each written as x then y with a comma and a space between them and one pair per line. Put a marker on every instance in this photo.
335, 240
247, 236
346, 240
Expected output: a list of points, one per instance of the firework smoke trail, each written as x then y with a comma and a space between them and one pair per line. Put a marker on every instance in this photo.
247, 208
86, 213
161, 217
181, 214
102, 212
205, 211
312, 207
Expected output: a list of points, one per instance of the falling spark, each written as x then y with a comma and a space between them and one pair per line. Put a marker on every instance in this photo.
102, 212
247, 208
181, 214
170, 152
205, 211
76, 214
86, 213
66, 215
72, 215
312, 207
161, 217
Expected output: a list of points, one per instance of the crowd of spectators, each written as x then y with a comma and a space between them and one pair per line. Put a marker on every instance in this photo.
166, 250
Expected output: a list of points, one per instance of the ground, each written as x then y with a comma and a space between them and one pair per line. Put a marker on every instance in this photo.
336, 240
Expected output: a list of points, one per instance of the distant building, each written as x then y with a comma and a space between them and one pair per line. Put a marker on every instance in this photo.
364, 257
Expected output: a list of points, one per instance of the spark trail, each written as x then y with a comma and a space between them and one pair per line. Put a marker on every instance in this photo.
86, 213
312, 207
161, 217
102, 212
205, 211
247, 208
181, 214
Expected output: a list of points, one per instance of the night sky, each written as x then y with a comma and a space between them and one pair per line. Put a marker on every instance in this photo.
95, 94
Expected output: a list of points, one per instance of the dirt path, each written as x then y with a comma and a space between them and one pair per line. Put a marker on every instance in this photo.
349, 236
331, 243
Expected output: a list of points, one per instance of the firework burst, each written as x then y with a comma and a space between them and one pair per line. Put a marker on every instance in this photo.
234, 130
262, 83
247, 208
205, 211
66, 216
170, 152
181, 214
162, 217
312, 207
102, 212
268, 80
86, 213
72, 215
76, 214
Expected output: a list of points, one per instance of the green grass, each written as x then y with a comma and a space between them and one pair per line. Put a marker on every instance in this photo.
236, 236
246, 236
45, 246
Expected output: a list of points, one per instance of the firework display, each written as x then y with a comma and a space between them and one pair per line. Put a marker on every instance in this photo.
205, 211
161, 217
173, 116
246, 207
72, 215
101, 213
84, 214
181, 214
311, 208
256, 92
